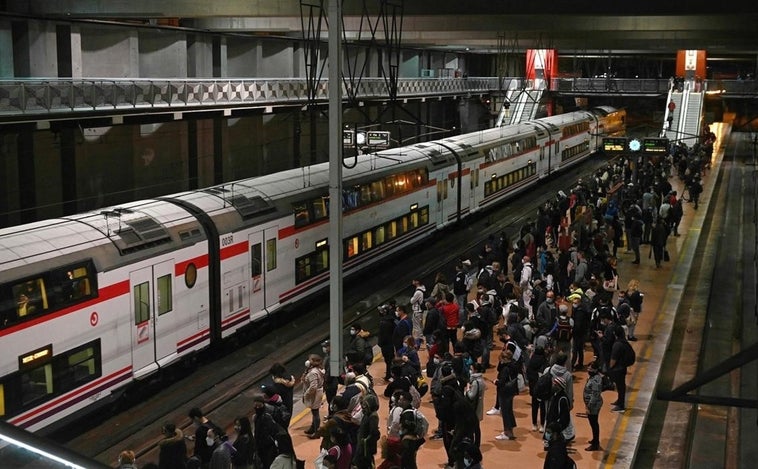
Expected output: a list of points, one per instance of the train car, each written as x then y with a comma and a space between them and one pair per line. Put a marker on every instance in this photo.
93, 303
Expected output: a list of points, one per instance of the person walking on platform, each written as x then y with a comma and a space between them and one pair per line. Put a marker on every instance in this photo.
593, 400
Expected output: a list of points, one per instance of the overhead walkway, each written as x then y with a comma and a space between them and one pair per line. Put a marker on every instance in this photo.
24, 100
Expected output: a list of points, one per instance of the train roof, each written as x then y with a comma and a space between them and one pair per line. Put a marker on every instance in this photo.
113, 232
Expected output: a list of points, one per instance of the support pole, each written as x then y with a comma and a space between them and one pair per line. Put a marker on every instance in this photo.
335, 186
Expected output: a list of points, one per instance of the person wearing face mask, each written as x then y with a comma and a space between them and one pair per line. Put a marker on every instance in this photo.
201, 450
403, 327
360, 349
221, 450
557, 453
546, 315
313, 390
243, 456
265, 430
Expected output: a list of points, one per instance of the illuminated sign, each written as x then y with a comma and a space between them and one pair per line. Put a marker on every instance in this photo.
635, 145
320, 244
655, 145
614, 145
35, 358
348, 138
378, 138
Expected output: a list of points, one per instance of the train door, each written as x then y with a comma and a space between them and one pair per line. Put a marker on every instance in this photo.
257, 275
153, 317
441, 196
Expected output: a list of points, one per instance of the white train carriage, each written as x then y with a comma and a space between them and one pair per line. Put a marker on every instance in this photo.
91, 302
113, 296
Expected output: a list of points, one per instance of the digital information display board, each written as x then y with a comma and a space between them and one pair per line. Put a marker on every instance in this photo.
378, 138
655, 145
614, 144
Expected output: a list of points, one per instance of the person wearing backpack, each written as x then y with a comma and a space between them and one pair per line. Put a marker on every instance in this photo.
620, 359
563, 331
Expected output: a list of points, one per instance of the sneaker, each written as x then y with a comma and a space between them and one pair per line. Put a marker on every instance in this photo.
633, 339
437, 436
534, 428
618, 408
503, 436
542, 429
493, 411
592, 448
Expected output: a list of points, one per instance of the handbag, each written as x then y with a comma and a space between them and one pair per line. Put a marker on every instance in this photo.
319, 462
610, 285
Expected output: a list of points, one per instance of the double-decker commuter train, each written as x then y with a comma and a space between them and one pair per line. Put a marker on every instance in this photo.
94, 302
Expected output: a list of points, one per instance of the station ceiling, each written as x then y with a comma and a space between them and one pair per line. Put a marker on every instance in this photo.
576, 27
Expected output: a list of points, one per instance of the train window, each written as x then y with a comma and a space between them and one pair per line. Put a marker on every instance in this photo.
367, 241
31, 297
190, 275
403, 225
365, 194
439, 190
320, 208
141, 303
36, 384
377, 190
270, 254
165, 294
379, 235
351, 247
425, 216
322, 259
302, 215
392, 230
256, 262
414, 220
77, 367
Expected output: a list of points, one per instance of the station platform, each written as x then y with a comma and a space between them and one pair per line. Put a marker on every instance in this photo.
620, 432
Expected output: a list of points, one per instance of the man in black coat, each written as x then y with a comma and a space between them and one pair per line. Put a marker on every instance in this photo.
384, 336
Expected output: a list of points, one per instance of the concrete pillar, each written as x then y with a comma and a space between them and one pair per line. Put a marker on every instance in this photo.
199, 56
6, 49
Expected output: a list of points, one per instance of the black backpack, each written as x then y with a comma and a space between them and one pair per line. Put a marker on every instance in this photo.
543, 389
630, 356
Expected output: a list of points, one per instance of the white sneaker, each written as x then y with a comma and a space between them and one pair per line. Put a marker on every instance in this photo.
534, 428
542, 429
493, 411
503, 436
